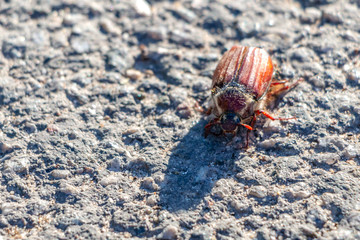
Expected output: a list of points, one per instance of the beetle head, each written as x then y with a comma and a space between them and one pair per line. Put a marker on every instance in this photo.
229, 122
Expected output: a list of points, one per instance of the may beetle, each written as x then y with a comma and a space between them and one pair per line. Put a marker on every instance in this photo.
242, 85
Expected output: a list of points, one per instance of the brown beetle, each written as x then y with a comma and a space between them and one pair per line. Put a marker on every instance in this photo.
241, 87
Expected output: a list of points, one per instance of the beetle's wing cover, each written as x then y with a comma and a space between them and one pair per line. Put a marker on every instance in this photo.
226, 68
249, 66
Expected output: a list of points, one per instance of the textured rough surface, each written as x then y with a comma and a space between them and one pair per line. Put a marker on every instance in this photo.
101, 130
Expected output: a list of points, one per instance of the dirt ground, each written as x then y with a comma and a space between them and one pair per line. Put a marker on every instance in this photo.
102, 135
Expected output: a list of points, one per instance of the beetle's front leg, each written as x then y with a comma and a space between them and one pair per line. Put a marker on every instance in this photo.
208, 111
209, 125
252, 123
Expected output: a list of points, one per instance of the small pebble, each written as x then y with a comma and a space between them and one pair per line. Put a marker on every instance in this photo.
332, 17
109, 27
119, 59
133, 74
258, 191
164, 102
220, 193
109, 180
76, 96
80, 45
68, 188
302, 54
175, 76
184, 111
159, 178
152, 200
344, 105
328, 141
221, 189
351, 36
178, 96
3, 223
320, 172
83, 79
60, 39
352, 73
117, 163
14, 48
72, 19
188, 39
60, 174
186, 14
328, 158
40, 38
18, 165
354, 219
301, 194
241, 207
310, 16
130, 131
72, 135
149, 184
170, 232
51, 128
272, 127
110, 110
309, 230
30, 127
167, 120
96, 8
351, 152
6, 208
142, 7
267, 144
248, 27
203, 232
317, 81
316, 216
202, 174
157, 33
5, 147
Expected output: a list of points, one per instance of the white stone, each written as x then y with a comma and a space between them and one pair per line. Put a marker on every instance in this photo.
258, 191
142, 7
60, 174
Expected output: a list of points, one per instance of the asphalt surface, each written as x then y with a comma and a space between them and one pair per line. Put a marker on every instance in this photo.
102, 123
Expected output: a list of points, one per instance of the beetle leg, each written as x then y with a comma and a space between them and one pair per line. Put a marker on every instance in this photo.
198, 108
258, 112
232, 140
253, 120
252, 123
284, 87
209, 125
213, 122
266, 114
279, 82
208, 112
247, 126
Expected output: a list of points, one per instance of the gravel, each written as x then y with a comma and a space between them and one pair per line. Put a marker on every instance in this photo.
101, 121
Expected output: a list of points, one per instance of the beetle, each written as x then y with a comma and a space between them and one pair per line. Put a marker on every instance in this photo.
242, 85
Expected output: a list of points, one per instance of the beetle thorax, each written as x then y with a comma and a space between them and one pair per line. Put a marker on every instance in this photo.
234, 99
